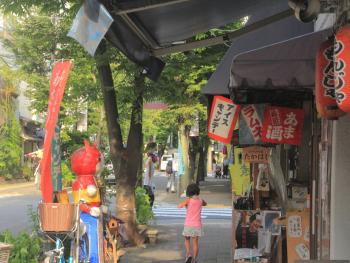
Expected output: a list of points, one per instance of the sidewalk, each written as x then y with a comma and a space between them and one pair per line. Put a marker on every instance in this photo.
214, 246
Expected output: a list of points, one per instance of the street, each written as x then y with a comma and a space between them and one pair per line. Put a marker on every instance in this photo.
15, 202
215, 244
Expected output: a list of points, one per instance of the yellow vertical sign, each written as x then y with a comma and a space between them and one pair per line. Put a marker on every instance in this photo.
240, 172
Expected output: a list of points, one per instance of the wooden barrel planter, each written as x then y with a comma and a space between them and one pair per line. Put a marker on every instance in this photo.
5, 250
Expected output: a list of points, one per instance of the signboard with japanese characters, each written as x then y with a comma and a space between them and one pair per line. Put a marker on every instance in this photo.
223, 118
250, 124
256, 154
282, 125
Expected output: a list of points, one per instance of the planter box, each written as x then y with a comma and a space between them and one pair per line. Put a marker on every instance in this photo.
152, 235
4, 252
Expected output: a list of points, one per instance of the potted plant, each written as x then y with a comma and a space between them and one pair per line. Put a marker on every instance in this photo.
143, 209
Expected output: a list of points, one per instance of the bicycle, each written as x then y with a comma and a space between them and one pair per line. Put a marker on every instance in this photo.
55, 255
79, 243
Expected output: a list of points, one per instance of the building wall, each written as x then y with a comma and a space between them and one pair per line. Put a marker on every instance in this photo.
340, 187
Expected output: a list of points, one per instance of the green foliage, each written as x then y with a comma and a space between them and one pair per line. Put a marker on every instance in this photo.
10, 148
67, 175
26, 247
27, 172
71, 141
143, 209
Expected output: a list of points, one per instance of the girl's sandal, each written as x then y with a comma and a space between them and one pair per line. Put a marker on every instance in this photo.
188, 259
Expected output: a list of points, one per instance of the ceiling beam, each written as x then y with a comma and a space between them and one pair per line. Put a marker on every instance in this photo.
142, 5
224, 38
144, 36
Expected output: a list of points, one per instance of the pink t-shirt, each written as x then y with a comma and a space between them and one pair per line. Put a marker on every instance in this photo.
193, 215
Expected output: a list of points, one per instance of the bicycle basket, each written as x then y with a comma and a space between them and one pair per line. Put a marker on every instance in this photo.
57, 217
4, 252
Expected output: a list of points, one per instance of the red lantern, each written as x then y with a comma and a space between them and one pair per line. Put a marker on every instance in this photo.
342, 68
326, 103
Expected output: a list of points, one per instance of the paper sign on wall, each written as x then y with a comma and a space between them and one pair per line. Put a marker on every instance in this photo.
282, 125
223, 118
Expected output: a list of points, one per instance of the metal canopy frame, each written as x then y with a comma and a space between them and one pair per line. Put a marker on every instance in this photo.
224, 38
141, 5
126, 9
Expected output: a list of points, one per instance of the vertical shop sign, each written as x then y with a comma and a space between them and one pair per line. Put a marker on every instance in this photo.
250, 124
282, 125
223, 118
341, 68
56, 172
58, 82
256, 154
326, 103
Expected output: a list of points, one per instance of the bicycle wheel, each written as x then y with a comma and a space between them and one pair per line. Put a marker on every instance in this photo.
84, 249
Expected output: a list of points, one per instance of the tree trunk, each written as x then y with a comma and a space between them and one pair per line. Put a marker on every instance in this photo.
201, 165
186, 178
125, 198
194, 158
134, 150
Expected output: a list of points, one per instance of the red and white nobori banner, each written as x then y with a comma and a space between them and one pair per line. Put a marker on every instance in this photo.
223, 118
282, 125
58, 82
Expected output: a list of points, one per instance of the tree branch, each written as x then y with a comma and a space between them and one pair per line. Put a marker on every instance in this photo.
109, 98
135, 138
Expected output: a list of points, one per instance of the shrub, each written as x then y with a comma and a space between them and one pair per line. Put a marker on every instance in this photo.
26, 247
67, 175
27, 171
143, 208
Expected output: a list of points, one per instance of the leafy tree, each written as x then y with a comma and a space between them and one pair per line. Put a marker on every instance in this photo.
180, 86
37, 40
10, 140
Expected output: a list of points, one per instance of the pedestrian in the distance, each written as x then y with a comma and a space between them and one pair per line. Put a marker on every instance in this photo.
169, 171
193, 222
225, 171
149, 171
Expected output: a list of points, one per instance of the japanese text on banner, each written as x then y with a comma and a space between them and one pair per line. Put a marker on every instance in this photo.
58, 82
282, 125
223, 118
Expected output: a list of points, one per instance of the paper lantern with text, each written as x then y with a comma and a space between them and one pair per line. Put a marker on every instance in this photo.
342, 68
326, 103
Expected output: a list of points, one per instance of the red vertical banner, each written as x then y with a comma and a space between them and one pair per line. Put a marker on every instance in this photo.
282, 125
223, 118
58, 82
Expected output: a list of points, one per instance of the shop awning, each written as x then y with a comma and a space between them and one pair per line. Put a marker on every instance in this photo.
145, 30
289, 64
278, 31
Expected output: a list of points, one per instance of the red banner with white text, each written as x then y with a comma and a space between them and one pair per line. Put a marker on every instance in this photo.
282, 125
223, 118
58, 82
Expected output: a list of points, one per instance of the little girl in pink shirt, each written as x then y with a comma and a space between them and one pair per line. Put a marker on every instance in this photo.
193, 221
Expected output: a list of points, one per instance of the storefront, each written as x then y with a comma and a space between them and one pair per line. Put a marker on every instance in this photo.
289, 65
312, 176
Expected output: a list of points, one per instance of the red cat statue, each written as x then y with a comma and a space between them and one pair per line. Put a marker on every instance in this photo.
86, 163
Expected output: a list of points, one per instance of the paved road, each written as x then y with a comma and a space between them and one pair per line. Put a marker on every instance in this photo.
15, 201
